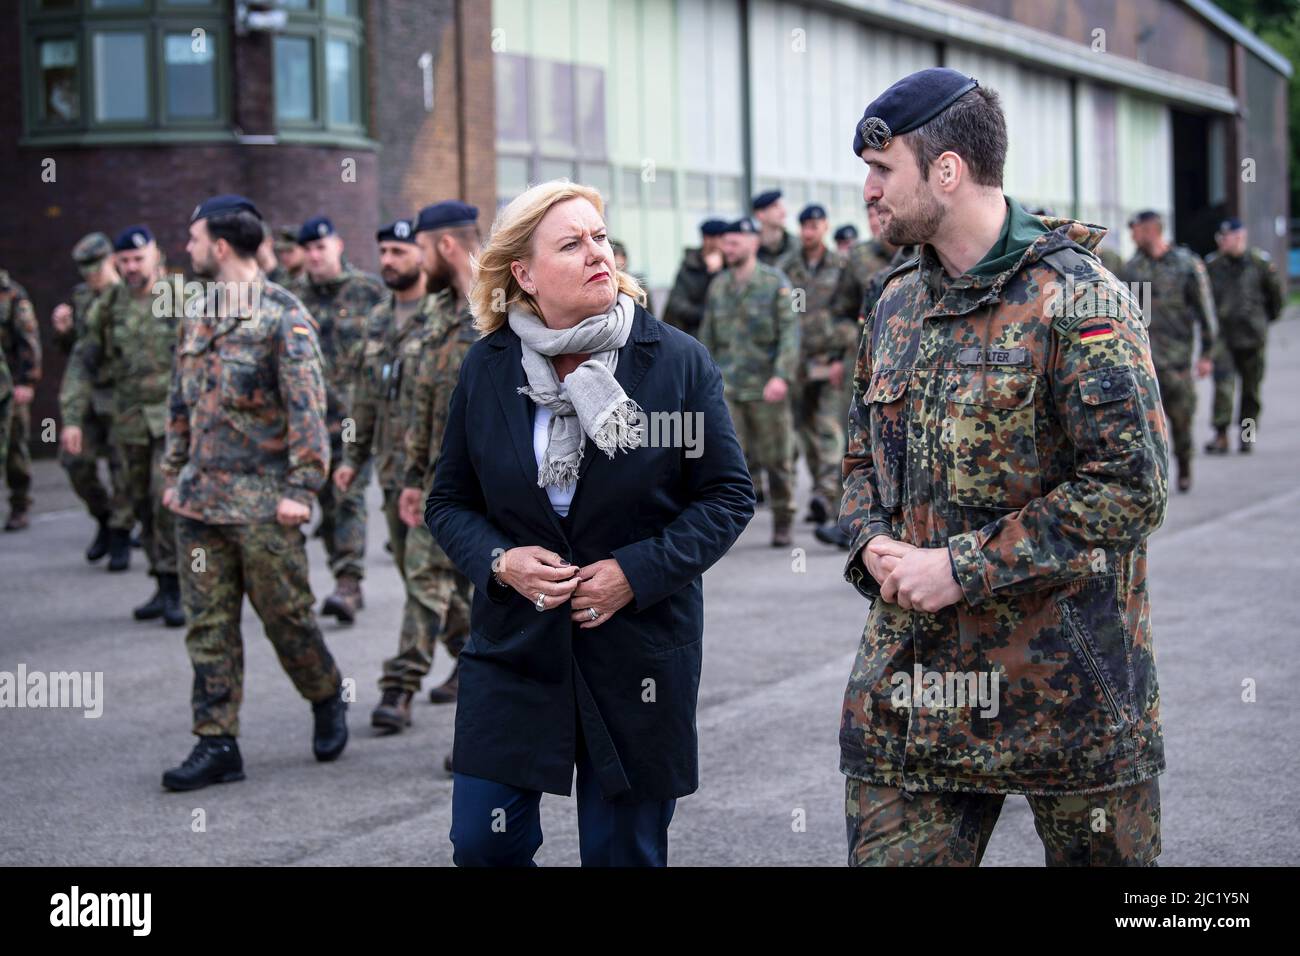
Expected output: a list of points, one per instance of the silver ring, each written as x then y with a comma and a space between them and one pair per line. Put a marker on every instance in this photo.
593, 613
540, 603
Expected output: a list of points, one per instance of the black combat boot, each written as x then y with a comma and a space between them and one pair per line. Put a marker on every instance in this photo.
346, 599
18, 520
213, 760
99, 547
393, 715
173, 614
445, 693
119, 549
832, 533
781, 532
151, 609
331, 731
1185, 474
818, 511
1218, 445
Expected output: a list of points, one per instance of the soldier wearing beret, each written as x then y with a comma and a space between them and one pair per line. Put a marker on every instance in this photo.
247, 450
685, 307
1247, 297
339, 298
751, 329
130, 337
93, 255
775, 242
20, 346
1006, 463
1181, 302
291, 259
815, 273
20, 370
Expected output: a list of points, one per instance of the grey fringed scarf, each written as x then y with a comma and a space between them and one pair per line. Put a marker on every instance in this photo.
589, 401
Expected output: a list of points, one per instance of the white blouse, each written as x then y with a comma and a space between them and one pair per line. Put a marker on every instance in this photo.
561, 496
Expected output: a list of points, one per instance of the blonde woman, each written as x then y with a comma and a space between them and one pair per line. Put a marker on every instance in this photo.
588, 476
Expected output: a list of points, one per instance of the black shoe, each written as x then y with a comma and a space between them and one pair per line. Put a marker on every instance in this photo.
173, 614
151, 609
18, 520
213, 760
446, 765
99, 547
393, 715
119, 549
1246, 447
330, 735
832, 534
818, 512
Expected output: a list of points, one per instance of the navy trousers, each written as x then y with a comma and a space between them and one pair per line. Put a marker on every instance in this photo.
495, 824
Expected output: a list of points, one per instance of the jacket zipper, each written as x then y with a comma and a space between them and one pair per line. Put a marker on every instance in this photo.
1069, 619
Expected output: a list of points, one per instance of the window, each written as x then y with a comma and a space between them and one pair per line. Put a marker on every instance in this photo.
113, 67
319, 75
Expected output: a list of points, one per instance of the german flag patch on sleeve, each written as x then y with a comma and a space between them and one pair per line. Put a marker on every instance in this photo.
1095, 330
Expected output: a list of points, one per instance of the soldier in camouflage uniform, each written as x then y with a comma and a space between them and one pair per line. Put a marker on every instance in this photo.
247, 450
1180, 302
20, 341
290, 258
438, 595
1007, 461
685, 307
339, 298
752, 331
93, 255
815, 273
130, 338
20, 370
775, 242
1247, 297
846, 236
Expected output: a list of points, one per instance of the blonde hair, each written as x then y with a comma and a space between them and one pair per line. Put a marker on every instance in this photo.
495, 288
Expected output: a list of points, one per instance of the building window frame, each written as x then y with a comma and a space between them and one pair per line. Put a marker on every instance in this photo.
156, 20
321, 27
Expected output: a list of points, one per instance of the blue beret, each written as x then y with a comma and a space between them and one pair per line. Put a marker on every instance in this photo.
713, 227
848, 231
743, 224
403, 230
217, 205
812, 211
1145, 215
1230, 225
450, 212
763, 200
132, 237
911, 102
317, 227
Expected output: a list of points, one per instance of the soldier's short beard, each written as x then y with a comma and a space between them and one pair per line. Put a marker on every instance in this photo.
440, 277
923, 223
403, 280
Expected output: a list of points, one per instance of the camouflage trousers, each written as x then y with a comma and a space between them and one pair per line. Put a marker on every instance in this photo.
268, 562
343, 519
6, 408
821, 436
1231, 364
18, 466
891, 827
83, 471
764, 430
1178, 395
437, 602
141, 467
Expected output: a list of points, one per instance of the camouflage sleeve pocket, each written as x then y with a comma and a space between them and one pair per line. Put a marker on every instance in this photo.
885, 400
1110, 407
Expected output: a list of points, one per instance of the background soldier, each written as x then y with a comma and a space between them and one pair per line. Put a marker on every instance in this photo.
815, 274
845, 236
751, 329
1247, 297
131, 337
968, 444
289, 255
620, 263
1180, 301
438, 596
775, 243
243, 464
20, 370
339, 297
93, 255
685, 306
20, 341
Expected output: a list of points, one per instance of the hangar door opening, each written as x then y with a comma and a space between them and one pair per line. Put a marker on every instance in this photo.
1198, 174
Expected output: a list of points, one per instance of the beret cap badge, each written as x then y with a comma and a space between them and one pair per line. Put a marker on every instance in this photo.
875, 132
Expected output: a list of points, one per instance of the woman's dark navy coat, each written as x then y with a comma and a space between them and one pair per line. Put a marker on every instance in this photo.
529, 679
